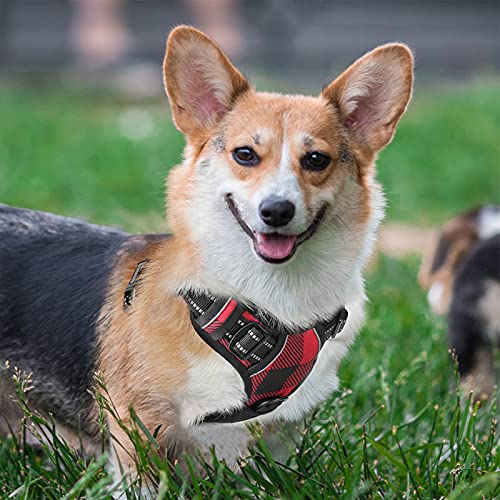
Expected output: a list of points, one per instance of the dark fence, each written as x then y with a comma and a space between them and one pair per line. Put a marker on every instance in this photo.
301, 40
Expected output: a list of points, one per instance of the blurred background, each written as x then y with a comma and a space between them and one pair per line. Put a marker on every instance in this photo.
302, 42
84, 124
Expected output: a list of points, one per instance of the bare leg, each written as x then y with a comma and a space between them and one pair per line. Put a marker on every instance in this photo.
98, 31
219, 18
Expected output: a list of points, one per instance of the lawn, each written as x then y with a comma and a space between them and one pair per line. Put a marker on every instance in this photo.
397, 428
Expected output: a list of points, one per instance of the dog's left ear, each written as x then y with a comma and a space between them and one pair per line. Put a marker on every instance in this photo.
373, 93
201, 83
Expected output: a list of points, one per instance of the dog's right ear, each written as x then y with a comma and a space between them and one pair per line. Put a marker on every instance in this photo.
373, 93
201, 83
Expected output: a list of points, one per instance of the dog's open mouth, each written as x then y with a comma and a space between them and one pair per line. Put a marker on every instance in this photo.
275, 248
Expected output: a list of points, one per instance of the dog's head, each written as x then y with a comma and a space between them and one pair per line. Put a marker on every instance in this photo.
454, 240
440, 263
273, 182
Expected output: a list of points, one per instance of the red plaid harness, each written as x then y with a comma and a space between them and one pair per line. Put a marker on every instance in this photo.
272, 362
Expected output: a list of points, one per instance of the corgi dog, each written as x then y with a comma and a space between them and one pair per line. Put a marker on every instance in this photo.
451, 243
461, 270
242, 313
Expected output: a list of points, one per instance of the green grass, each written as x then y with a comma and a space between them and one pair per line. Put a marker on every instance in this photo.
397, 428
446, 155
65, 152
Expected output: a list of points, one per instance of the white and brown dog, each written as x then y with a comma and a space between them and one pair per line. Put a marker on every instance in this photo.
233, 317
461, 270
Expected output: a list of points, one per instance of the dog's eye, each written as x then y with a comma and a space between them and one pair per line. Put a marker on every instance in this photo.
246, 156
315, 161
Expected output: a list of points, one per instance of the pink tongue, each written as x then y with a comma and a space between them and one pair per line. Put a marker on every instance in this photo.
275, 246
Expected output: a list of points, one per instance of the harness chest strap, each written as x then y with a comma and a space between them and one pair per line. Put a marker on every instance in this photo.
271, 363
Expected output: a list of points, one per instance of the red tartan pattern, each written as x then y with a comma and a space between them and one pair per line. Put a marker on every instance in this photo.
293, 364
212, 327
299, 355
218, 321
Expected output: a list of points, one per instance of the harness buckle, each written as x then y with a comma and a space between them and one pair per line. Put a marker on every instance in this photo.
267, 405
247, 339
340, 322
129, 294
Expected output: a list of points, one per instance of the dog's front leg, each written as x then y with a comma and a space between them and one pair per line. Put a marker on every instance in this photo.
125, 462
230, 442
282, 439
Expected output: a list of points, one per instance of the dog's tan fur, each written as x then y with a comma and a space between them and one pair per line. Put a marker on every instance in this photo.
146, 353
456, 238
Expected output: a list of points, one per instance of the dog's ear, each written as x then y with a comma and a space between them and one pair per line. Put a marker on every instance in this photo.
373, 93
200, 81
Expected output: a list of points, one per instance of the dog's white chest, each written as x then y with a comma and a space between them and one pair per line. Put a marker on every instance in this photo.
213, 386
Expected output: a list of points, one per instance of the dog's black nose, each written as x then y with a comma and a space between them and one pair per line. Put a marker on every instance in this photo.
276, 212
